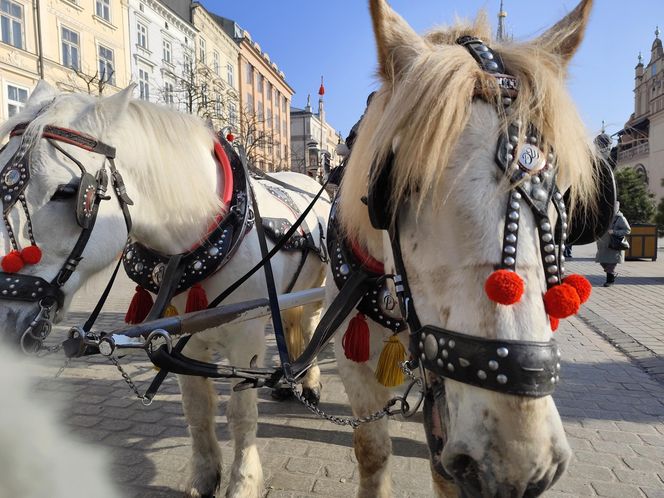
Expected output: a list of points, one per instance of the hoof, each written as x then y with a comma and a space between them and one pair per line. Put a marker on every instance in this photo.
281, 393
312, 395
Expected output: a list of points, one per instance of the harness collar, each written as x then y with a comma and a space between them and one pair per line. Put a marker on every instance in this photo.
146, 267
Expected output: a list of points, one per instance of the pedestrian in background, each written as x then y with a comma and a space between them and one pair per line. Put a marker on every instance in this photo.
611, 246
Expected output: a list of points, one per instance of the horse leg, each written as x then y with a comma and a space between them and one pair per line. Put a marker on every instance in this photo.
246, 479
442, 487
311, 385
199, 401
371, 441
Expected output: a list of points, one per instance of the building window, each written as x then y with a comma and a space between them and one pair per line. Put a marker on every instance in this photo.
142, 35
268, 91
11, 17
106, 65
168, 92
232, 114
269, 117
250, 74
217, 105
188, 68
283, 106
143, 84
260, 111
285, 126
104, 9
201, 50
70, 49
215, 63
230, 74
259, 83
250, 103
204, 95
16, 98
167, 49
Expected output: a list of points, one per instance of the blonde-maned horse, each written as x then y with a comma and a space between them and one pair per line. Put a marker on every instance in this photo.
171, 175
442, 116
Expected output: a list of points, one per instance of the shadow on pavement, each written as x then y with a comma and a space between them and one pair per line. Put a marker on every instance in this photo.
609, 391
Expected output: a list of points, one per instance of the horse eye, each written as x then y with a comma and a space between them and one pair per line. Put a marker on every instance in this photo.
65, 192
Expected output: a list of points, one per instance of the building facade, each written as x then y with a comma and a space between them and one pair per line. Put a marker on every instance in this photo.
641, 142
77, 45
160, 44
265, 98
313, 140
216, 72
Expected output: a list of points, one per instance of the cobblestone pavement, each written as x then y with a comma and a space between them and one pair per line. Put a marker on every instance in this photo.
613, 411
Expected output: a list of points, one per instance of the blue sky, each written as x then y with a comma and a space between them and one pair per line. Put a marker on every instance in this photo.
308, 39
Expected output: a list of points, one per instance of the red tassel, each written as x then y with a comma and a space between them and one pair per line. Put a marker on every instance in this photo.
31, 255
12, 262
554, 323
356, 339
196, 299
581, 285
504, 287
140, 306
562, 301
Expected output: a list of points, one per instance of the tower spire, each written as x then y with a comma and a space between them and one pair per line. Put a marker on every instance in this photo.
501, 35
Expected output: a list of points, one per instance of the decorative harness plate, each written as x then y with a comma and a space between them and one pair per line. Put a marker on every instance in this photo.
146, 266
378, 303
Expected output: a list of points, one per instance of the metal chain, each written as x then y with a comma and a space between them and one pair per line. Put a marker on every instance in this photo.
387, 411
144, 399
62, 368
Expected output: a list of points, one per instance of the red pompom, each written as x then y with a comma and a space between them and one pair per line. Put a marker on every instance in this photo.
31, 255
554, 323
140, 306
504, 287
562, 301
196, 299
581, 285
230, 137
356, 339
12, 262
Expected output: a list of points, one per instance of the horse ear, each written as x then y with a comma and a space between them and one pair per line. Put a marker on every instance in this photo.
565, 37
397, 42
43, 92
113, 107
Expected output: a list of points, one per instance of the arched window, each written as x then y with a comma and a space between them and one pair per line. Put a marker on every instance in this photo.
642, 172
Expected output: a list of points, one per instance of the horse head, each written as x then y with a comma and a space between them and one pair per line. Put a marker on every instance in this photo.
50, 184
468, 147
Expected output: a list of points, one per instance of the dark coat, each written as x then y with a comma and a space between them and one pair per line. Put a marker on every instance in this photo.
605, 254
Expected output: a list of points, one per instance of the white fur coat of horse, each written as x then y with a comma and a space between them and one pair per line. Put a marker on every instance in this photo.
166, 160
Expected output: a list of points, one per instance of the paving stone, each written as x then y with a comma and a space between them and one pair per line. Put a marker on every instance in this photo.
616, 490
334, 487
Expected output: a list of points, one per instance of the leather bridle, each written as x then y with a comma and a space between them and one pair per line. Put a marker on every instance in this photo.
89, 191
516, 367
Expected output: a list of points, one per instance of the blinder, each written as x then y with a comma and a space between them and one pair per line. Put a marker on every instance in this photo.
588, 225
378, 197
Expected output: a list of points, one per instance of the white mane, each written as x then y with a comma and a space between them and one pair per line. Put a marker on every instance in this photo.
162, 153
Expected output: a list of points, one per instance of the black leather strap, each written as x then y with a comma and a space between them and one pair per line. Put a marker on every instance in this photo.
521, 368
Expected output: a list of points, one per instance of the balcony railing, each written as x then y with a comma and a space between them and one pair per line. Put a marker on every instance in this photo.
636, 151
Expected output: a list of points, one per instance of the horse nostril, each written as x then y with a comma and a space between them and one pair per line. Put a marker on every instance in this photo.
463, 468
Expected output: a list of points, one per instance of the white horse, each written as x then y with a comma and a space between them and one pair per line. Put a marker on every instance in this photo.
442, 115
168, 165
39, 457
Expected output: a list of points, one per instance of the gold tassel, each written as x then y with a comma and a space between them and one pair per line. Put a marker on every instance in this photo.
389, 371
170, 311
